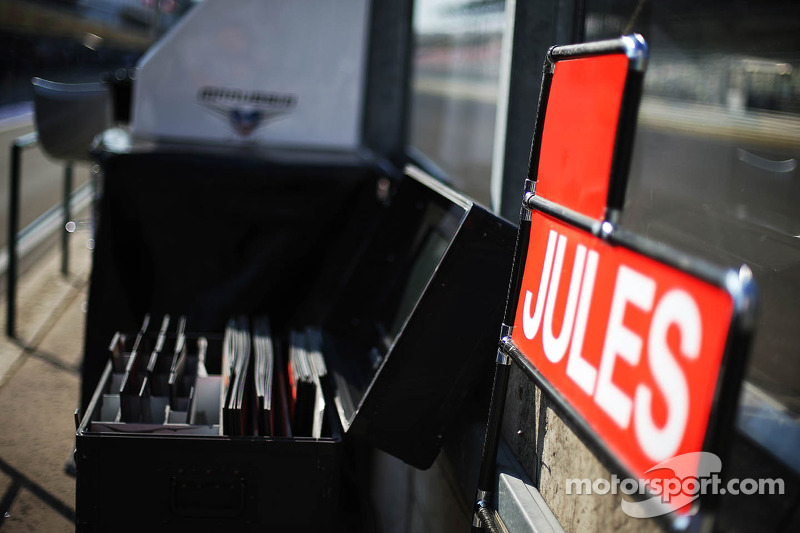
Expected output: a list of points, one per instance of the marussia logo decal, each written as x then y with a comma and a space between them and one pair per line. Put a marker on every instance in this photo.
246, 111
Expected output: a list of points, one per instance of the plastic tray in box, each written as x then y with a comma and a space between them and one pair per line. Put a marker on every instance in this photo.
177, 468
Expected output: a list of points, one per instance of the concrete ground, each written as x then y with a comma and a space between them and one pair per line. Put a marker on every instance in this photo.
39, 392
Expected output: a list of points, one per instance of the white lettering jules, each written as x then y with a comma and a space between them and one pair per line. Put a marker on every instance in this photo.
632, 288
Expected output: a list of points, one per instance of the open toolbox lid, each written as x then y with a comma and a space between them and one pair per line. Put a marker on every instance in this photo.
409, 343
409, 316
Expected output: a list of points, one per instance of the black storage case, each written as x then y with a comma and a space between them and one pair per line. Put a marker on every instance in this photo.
404, 276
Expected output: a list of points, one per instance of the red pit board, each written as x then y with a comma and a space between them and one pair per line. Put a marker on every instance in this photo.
641, 345
634, 345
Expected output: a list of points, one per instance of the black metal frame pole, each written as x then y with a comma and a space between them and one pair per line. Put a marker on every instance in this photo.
13, 227
483, 519
67, 216
26, 141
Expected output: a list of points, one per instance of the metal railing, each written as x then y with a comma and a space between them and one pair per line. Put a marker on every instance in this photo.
19, 144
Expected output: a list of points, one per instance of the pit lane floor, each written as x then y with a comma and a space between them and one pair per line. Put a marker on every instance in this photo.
39, 392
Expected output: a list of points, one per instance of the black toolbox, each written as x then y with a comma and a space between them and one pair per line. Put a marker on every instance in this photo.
404, 277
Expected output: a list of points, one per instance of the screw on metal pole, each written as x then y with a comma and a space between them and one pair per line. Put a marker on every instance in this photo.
66, 209
486, 518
